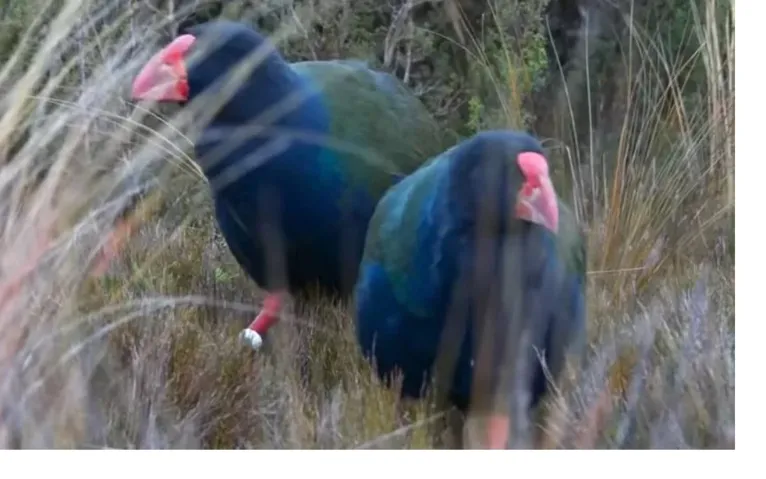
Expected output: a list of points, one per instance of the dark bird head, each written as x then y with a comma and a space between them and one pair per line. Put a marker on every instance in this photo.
483, 167
250, 95
204, 56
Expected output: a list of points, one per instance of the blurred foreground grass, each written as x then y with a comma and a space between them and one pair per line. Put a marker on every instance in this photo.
146, 356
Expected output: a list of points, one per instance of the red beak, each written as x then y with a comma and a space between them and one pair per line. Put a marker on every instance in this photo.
164, 77
536, 201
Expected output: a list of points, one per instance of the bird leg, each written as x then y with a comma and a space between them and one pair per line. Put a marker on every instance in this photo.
486, 432
498, 427
117, 239
253, 335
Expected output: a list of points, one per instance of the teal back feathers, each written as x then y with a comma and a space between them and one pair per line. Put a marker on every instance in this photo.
389, 131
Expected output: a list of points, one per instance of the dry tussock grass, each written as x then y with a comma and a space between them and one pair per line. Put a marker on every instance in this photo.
145, 356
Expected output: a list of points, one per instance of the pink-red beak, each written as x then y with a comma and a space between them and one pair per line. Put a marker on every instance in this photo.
536, 201
164, 77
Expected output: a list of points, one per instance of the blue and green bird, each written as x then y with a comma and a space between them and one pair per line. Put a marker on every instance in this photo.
475, 256
297, 156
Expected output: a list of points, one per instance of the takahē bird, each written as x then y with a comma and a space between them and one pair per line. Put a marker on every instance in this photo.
302, 184
470, 255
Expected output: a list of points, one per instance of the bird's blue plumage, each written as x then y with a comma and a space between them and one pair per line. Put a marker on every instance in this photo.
426, 258
270, 182
296, 174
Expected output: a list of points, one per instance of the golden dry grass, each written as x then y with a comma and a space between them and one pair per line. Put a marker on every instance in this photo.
146, 355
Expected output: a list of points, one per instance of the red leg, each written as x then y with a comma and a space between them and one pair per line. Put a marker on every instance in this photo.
253, 335
117, 239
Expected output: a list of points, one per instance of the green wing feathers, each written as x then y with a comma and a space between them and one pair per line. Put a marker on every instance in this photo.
376, 114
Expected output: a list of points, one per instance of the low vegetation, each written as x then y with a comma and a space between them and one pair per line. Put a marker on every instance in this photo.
639, 122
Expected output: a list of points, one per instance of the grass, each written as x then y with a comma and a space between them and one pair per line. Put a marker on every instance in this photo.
146, 356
